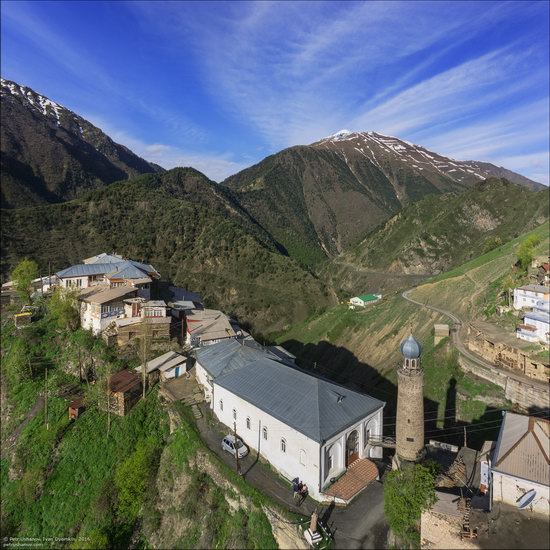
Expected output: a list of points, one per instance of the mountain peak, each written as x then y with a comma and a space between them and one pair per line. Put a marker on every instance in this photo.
50, 153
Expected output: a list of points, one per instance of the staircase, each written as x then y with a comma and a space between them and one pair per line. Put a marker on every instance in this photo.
358, 476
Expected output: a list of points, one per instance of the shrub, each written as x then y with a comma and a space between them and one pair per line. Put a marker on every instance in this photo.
23, 276
407, 493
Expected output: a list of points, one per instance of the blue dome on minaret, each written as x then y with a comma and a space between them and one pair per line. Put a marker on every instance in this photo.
410, 348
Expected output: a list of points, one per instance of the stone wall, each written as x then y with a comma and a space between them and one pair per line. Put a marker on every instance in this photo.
410, 413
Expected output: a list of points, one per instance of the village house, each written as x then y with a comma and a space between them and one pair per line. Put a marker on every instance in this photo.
124, 391
166, 366
536, 324
137, 311
207, 326
527, 296
306, 426
364, 300
111, 270
101, 305
506, 351
520, 465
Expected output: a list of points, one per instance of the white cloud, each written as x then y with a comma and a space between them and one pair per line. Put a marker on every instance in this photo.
217, 166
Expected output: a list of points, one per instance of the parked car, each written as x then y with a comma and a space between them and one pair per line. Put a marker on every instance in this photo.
228, 444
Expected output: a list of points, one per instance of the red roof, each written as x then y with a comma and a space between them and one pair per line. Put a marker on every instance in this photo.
546, 267
123, 381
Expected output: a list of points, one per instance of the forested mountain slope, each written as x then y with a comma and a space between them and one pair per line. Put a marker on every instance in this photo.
50, 154
319, 199
184, 225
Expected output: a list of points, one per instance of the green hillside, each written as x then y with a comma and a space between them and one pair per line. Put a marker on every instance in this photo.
361, 346
145, 480
188, 228
440, 232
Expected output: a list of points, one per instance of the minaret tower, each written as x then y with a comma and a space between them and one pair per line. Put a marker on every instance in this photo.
410, 403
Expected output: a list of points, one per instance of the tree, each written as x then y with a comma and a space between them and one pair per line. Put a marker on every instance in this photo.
63, 308
23, 276
407, 493
525, 252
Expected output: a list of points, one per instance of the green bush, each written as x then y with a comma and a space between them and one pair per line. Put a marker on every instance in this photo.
407, 493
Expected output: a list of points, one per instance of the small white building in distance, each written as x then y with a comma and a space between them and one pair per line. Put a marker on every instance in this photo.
521, 462
306, 426
536, 324
527, 296
363, 300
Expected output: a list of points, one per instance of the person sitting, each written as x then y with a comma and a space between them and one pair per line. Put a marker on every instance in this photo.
296, 488
303, 492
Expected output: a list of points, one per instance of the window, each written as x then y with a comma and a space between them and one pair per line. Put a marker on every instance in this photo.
303, 457
234, 414
248, 422
283, 445
264, 431
330, 462
221, 404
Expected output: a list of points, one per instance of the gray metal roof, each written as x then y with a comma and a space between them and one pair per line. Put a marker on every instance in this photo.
126, 269
164, 362
535, 288
229, 355
523, 448
313, 406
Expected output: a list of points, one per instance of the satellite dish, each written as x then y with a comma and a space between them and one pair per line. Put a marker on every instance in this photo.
526, 499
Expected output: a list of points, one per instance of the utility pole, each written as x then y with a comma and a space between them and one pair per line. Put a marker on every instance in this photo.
79, 365
108, 383
236, 450
144, 353
46, 398
465, 444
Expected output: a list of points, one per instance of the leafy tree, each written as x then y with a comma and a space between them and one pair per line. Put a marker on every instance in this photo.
407, 493
63, 308
23, 276
525, 251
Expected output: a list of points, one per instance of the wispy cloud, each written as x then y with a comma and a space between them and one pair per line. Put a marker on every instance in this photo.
468, 79
80, 62
217, 166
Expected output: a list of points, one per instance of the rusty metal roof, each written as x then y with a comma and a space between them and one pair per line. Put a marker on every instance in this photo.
123, 381
523, 448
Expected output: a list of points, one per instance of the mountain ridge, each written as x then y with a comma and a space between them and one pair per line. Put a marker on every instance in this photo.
319, 199
50, 154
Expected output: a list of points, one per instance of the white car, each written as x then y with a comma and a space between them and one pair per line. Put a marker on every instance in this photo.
228, 444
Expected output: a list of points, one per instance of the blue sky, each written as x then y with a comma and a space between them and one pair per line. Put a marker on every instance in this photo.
221, 85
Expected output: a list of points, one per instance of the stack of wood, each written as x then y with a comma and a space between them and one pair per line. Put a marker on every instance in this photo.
467, 531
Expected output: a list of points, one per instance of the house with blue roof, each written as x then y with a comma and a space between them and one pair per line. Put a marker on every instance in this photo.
304, 425
111, 270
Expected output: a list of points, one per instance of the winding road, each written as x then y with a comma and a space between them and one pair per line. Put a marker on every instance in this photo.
463, 350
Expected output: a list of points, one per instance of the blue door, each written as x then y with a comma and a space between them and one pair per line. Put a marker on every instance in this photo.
177, 371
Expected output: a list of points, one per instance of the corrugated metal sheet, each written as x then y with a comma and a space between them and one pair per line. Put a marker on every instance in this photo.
102, 295
127, 269
164, 362
523, 448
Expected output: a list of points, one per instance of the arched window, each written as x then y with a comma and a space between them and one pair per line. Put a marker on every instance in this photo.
234, 414
221, 404
264, 431
248, 422
283, 445
303, 457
